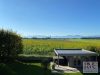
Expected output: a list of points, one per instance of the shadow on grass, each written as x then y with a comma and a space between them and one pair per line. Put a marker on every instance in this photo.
18, 68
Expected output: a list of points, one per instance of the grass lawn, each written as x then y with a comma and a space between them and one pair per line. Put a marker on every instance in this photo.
28, 69
22, 69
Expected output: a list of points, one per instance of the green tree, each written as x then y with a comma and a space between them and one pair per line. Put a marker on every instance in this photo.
10, 44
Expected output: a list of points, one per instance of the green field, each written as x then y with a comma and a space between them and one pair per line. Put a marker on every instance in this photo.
46, 47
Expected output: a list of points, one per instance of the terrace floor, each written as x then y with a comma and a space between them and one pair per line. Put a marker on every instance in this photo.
65, 69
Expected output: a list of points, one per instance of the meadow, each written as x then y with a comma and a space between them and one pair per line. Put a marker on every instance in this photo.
46, 46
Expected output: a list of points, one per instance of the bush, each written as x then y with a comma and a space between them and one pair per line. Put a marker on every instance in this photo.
94, 49
10, 44
52, 65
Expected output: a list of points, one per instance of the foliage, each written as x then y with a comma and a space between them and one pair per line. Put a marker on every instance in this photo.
94, 49
52, 65
10, 44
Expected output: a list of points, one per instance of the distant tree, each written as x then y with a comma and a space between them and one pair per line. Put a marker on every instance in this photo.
10, 45
48, 38
34, 38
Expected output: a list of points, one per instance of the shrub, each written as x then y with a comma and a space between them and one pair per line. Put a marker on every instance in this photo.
94, 49
10, 44
52, 65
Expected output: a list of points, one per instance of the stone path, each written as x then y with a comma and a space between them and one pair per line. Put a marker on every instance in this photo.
64, 69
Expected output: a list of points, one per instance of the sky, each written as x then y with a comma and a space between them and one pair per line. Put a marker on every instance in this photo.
51, 17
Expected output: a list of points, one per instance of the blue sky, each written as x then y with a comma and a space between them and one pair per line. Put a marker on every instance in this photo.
51, 17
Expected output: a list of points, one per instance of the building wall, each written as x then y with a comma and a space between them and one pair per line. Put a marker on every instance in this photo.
77, 61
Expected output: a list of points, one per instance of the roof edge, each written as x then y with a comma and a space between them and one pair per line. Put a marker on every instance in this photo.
55, 52
68, 49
